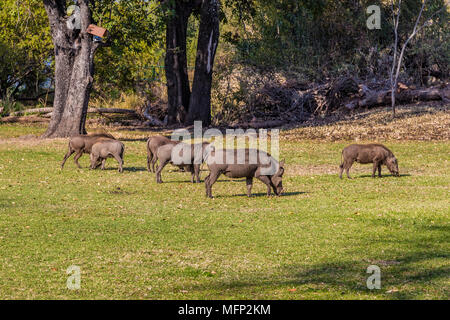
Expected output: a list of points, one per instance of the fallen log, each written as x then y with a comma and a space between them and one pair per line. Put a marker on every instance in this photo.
152, 121
378, 98
90, 110
27, 119
35, 110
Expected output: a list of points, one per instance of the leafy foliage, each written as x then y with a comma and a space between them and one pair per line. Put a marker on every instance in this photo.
136, 43
25, 48
318, 38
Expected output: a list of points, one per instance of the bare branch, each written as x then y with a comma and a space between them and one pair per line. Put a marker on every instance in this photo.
398, 62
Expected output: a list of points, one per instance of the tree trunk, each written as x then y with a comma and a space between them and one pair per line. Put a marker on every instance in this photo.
178, 91
74, 69
208, 39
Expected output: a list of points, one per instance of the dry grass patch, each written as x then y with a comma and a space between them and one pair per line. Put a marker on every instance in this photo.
413, 122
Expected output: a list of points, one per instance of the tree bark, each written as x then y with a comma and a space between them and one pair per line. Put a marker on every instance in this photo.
74, 69
178, 90
208, 39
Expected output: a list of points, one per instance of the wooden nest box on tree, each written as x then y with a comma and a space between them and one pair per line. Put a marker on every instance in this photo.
97, 31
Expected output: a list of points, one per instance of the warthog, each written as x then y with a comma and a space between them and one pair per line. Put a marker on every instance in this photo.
153, 143
190, 157
107, 149
368, 153
83, 144
245, 163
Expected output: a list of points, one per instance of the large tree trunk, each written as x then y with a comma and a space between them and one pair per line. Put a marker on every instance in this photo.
178, 91
208, 39
74, 69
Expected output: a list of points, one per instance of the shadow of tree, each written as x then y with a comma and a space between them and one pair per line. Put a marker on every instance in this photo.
344, 277
403, 276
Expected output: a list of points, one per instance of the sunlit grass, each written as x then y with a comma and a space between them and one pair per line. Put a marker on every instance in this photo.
135, 239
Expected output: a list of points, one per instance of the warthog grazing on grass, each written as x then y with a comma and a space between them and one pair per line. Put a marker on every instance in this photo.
107, 149
249, 164
368, 153
153, 143
190, 157
83, 144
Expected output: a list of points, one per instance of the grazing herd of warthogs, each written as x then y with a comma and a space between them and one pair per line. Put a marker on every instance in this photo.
245, 163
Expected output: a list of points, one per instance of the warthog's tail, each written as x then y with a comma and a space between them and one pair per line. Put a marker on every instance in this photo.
149, 155
342, 160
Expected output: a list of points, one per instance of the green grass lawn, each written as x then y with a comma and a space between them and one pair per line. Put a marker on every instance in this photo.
134, 239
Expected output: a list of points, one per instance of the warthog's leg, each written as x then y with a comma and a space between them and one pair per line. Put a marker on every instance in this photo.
103, 163
98, 163
379, 170
341, 169
158, 171
347, 165
376, 164
68, 154
120, 161
197, 172
212, 178
268, 183
249, 182
206, 184
77, 156
149, 159
154, 159
94, 160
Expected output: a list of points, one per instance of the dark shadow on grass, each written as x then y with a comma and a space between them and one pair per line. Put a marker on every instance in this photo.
382, 176
134, 169
131, 169
261, 194
183, 181
201, 181
348, 277
411, 272
133, 139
